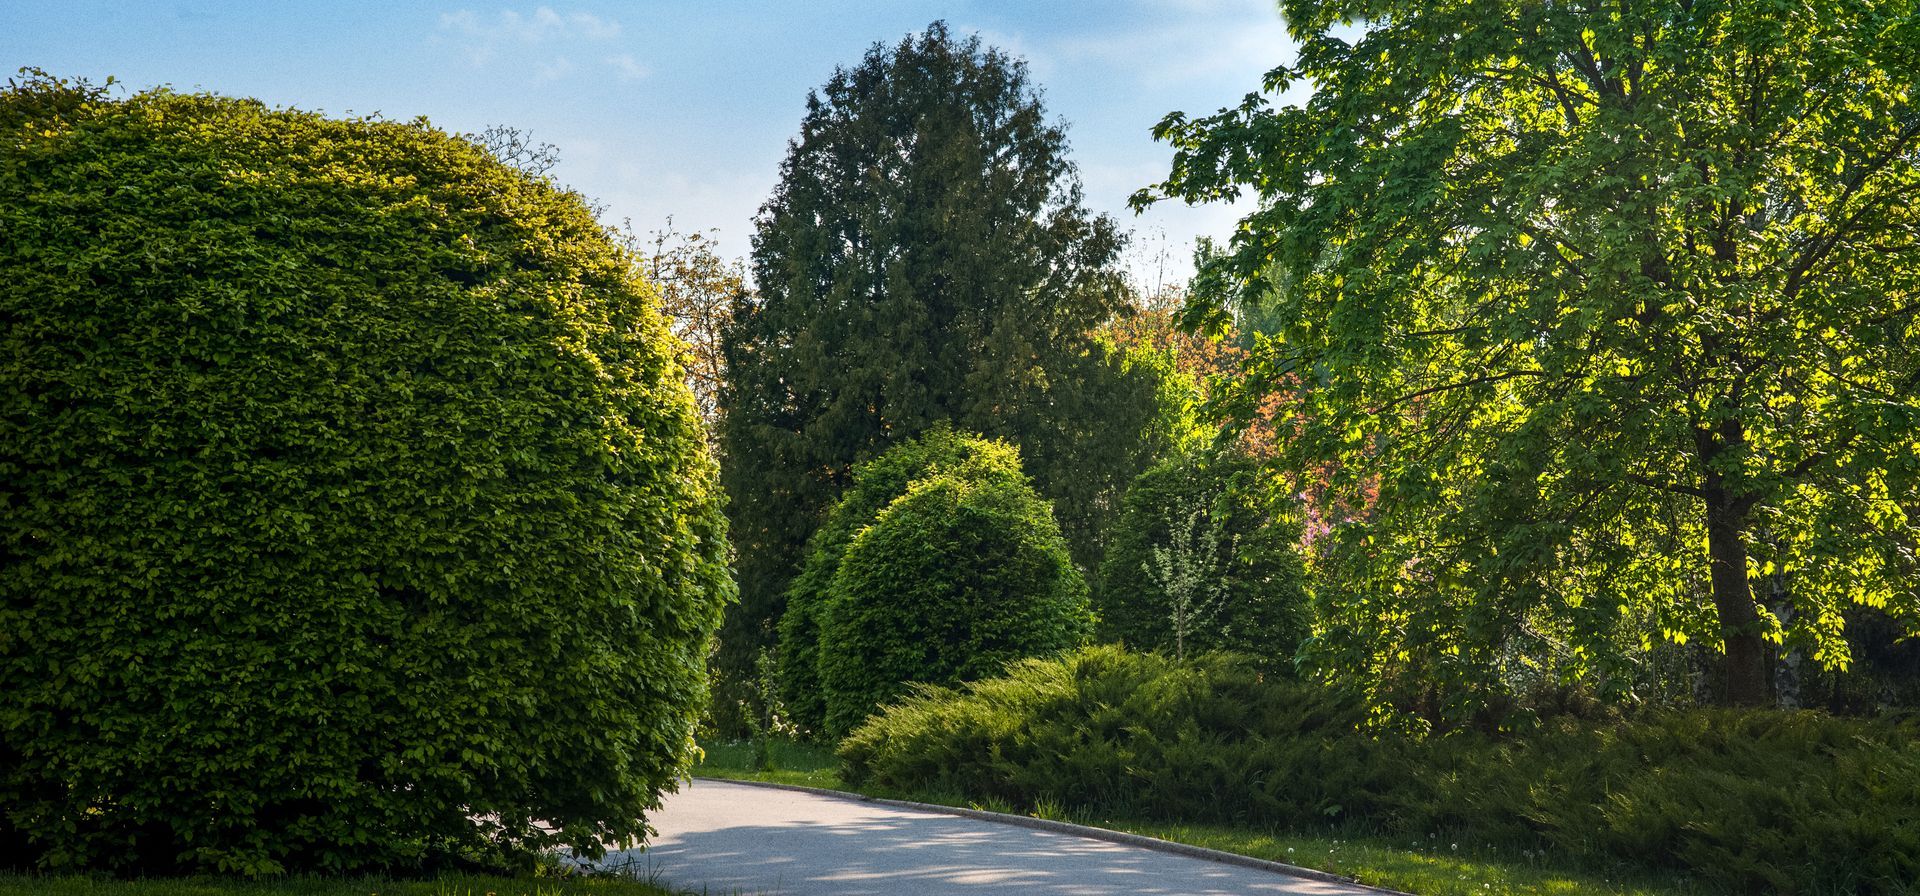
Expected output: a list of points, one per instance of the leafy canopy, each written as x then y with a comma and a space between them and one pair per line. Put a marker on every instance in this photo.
1615, 303
353, 513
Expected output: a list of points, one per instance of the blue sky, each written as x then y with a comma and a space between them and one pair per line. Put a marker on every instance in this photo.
679, 109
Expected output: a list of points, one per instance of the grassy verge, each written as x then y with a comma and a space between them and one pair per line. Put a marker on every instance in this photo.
26, 885
1435, 867
1429, 869
792, 763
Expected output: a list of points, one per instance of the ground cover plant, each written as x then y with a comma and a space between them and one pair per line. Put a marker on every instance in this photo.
355, 514
1426, 865
1745, 801
780, 760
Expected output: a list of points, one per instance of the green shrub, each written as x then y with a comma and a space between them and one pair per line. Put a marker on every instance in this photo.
1756, 801
876, 484
353, 513
1202, 558
952, 581
1748, 801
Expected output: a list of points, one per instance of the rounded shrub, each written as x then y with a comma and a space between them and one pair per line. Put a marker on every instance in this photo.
1203, 557
876, 483
953, 580
353, 513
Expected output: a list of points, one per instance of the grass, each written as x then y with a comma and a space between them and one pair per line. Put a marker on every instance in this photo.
1435, 866
23, 885
792, 763
1430, 868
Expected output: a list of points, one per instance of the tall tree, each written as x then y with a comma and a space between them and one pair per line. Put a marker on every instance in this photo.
1614, 300
698, 291
925, 257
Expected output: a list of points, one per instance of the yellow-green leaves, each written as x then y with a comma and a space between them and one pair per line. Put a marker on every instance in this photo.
1580, 288
352, 513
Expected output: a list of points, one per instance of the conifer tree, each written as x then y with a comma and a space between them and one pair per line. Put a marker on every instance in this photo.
925, 257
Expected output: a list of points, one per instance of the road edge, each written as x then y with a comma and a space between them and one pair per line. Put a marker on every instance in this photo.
1079, 830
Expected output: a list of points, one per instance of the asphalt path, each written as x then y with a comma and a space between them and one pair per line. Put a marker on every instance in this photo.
725, 838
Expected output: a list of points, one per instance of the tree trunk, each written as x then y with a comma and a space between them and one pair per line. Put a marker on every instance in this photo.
1744, 679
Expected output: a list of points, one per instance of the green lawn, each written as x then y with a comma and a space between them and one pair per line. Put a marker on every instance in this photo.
20, 885
1428, 868
1431, 867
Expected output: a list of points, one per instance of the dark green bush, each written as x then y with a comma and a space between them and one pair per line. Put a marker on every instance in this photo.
1749, 801
953, 580
876, 484
353, 514
1756, 801
1206, 518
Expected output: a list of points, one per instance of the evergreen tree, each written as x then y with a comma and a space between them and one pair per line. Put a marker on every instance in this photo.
961, 575
925, 258
876, 484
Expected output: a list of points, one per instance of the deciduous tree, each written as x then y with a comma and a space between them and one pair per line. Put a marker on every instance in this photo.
1204, 557
698, 291
1616, 301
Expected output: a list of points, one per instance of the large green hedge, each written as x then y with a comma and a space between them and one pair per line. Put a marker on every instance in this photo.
876, 484
353, 513
1206, 517
1748, 801
959, 576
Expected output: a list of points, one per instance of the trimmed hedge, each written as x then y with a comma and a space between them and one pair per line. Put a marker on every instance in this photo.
353, 513
1750, 801
955, 579
876, 483
1240, 540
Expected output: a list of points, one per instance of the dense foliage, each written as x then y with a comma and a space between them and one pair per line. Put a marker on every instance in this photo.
876, 484
960, 575
1748, 801
353, 513
925, 258
1203, 558
1614, 302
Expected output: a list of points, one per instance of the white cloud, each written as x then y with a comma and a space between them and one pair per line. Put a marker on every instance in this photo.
529, 40
627, 68
554, 69
542, 25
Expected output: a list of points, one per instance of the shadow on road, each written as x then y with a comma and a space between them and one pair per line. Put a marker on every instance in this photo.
727, 838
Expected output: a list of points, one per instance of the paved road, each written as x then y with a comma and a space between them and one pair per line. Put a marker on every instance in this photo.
736, 838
